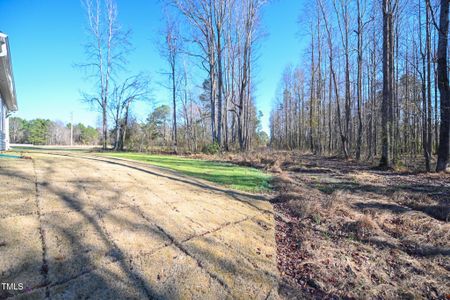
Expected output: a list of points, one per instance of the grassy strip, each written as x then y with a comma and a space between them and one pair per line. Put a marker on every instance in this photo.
229, 175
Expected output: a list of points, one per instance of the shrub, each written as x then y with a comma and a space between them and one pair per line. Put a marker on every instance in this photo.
213, 148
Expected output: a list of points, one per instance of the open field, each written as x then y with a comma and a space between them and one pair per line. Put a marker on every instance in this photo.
79, 226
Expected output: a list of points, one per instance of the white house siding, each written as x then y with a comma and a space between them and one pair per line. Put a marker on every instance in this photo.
6, 130
8, 101
3, 126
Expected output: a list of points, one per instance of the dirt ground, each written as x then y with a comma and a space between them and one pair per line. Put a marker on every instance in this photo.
83, 227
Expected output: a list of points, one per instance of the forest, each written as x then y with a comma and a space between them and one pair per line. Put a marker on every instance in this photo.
218, 40
374, 86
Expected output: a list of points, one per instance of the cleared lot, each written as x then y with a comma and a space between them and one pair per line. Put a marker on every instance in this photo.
80, 226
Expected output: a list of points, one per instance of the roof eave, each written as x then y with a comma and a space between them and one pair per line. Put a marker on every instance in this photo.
7, 86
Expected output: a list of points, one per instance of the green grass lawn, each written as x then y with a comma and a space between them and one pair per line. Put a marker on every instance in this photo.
229, 175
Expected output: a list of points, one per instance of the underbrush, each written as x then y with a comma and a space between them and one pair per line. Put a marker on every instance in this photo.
361, 243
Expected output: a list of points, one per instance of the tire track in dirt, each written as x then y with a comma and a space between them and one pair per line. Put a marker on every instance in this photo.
44, 267
183, 249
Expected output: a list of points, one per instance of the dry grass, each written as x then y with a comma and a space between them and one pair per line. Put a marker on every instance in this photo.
362, 242
425, 203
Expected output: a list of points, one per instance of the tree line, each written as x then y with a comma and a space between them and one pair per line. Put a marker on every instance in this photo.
209, 67
222, 39
155, 133
47, 132
375, 85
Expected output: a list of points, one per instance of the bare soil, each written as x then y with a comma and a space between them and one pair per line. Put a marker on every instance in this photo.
76, 226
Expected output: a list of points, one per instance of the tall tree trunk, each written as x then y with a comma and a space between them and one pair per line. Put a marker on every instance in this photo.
104, 124
424, 111
174, 103
219, 79
123, 133
318, 90
348, 111
436, 105
311, 100
359, 81
385, 160
212, 95
429, 108
330, 128
333, 75
444, 132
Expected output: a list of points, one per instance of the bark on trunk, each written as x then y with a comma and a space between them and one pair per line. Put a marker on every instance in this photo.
385, 160
443, 151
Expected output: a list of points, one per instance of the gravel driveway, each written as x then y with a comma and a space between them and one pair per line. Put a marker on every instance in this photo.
79, 226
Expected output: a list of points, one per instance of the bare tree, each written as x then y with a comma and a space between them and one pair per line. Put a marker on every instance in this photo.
220, 13
199, 13
342, 12
425, 87
122, 97
360, 35
225, 33
335, 82
386, 99
386, 107
106, 51
171, 50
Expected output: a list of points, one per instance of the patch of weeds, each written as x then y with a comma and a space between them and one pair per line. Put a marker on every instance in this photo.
326, 235
316, 219
351, 237
325, 188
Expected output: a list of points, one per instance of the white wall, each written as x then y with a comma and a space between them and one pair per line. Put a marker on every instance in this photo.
6, 130
3, 126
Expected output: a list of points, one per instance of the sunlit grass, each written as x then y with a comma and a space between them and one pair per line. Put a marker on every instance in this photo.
226, 174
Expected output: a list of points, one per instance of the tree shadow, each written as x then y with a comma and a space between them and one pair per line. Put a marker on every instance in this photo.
397, 209
102, 270
409, 247
243, 197
438, 207
80, 264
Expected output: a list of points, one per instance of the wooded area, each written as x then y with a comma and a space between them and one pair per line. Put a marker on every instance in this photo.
47, 132
375, 85
219, 41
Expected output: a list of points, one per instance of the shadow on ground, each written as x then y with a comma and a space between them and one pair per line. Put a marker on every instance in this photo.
70, 236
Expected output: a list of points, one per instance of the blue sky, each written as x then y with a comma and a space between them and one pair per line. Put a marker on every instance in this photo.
46, 38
